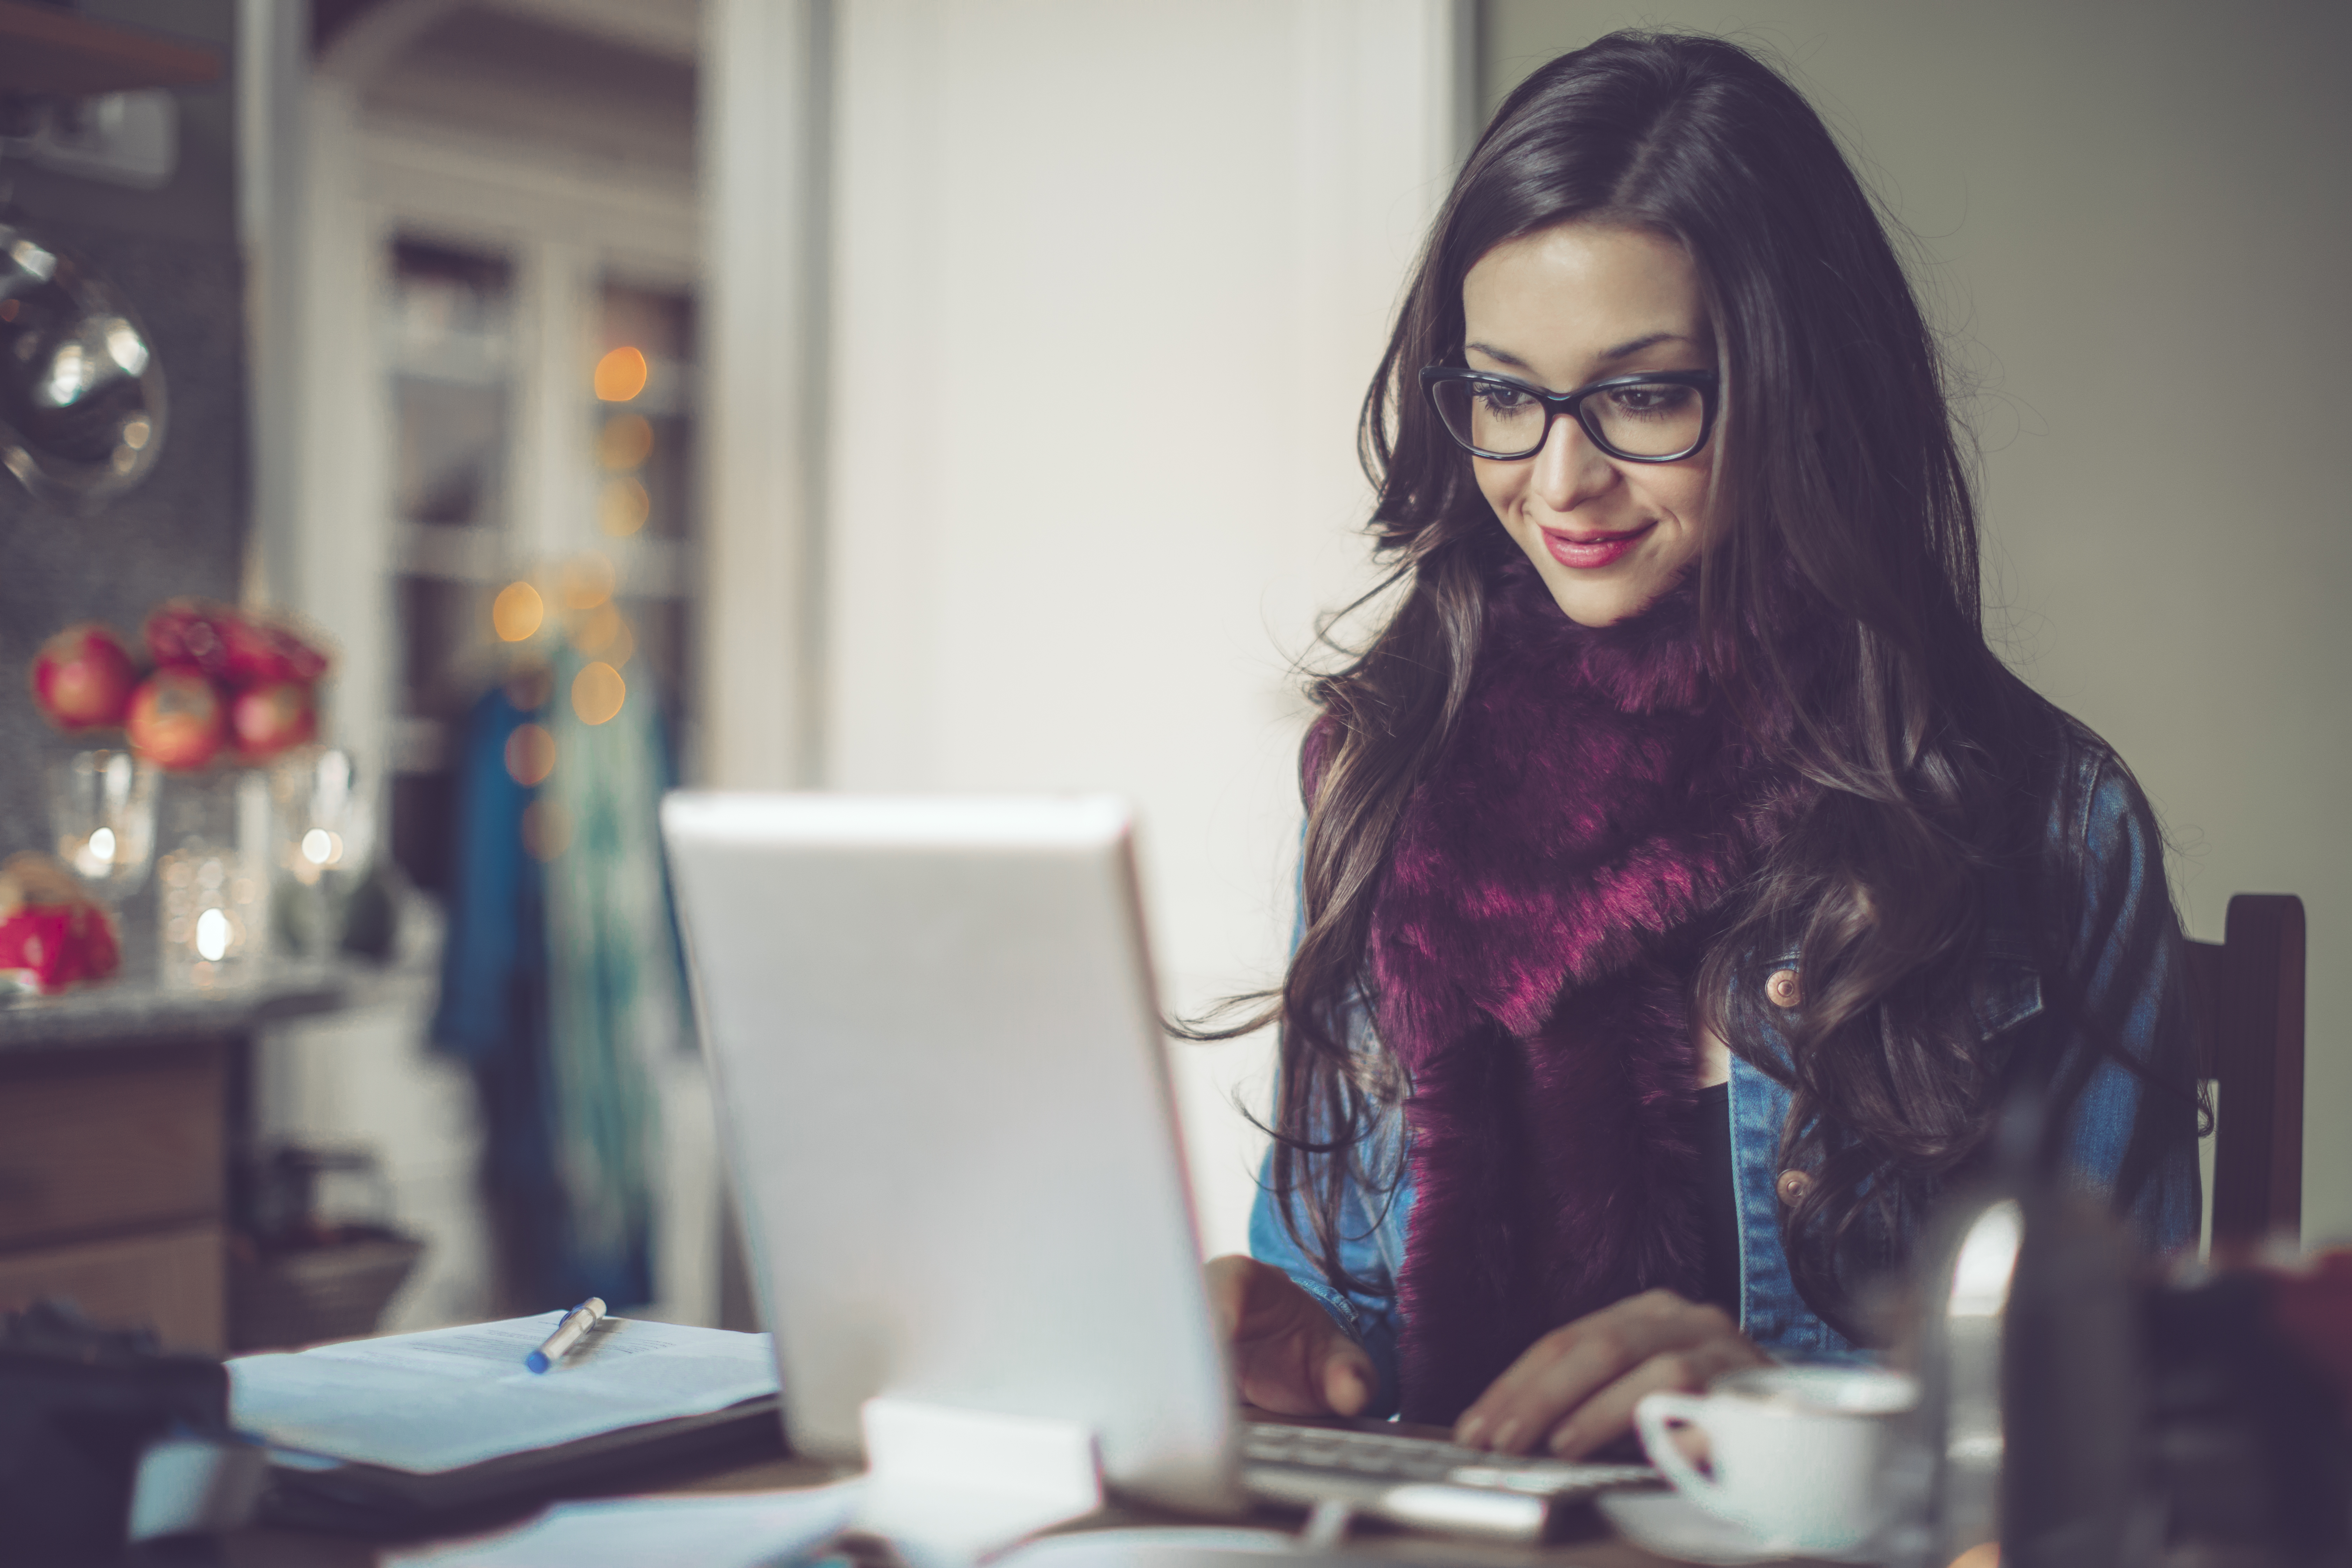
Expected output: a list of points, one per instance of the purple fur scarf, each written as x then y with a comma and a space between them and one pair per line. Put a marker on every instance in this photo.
1554, 883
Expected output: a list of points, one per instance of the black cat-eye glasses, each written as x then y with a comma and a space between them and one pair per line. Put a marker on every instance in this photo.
1661, 416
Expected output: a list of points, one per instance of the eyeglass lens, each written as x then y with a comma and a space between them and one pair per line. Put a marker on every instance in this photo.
1645, 419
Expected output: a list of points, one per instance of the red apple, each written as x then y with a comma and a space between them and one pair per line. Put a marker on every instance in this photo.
37, 948
82, 677
52, 933
230, 645
267, 719
176, 721
187, 634
263, 652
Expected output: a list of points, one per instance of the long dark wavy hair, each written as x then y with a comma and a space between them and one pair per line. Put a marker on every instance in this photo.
1840, 498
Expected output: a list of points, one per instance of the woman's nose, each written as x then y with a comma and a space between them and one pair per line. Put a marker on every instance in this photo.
1570, 470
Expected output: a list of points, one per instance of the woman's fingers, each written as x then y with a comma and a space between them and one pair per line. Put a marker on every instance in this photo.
1542, 1399
1289, 1357
1610, 1413
1558, 1371
1347, 1378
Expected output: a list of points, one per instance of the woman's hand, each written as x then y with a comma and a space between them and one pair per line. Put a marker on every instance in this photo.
1575, 1388
1289, 1355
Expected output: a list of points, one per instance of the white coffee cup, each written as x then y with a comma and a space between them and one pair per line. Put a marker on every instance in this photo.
1800, 1453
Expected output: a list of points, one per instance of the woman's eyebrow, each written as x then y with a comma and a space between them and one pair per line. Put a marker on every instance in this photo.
1497, 354
1637, 344
1631, 346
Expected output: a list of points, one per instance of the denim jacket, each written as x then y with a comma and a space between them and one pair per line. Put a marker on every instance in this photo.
2127, 1140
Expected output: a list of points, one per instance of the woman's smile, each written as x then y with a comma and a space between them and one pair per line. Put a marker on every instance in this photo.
1589, 551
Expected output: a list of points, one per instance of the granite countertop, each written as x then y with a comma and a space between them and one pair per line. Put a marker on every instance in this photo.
135, 1009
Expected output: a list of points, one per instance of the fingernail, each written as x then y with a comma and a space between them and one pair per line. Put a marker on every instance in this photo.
1353, 1390
1561, 1441
1504, 1435
1466, 1434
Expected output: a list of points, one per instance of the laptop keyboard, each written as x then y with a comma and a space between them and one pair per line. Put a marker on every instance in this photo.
1421, 1481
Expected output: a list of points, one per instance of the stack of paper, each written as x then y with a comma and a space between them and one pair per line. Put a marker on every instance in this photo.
448, 1399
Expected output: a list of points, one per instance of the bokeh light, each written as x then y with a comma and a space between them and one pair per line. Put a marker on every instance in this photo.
597, 692
591, 630
586, 580
517, 612
620, 375
625, 442
530, 755
624, 507
603, 633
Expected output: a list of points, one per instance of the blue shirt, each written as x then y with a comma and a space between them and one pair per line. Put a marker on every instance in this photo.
2129, 1135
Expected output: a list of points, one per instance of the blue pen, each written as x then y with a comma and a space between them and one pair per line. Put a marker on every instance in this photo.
576, 1322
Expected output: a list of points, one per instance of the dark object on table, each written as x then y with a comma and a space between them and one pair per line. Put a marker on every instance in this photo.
79, 1406
2249, 1412
2033, 1389
2085, 1418
299, 1274
2081, 1413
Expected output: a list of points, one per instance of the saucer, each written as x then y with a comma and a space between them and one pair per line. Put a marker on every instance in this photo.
1671, 1525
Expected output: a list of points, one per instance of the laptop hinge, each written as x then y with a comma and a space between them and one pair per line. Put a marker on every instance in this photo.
949, 1486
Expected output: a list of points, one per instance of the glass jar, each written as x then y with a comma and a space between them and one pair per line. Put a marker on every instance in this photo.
102, 819
212, 882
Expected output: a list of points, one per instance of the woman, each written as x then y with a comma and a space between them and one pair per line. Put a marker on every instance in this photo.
1686, 886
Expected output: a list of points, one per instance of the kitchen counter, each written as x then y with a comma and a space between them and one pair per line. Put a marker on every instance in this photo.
121, 1112
139, 1010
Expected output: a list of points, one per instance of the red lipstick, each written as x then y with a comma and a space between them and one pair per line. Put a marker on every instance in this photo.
1590, 552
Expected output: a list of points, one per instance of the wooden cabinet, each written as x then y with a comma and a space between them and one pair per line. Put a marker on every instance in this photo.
121, 1112
113, 1185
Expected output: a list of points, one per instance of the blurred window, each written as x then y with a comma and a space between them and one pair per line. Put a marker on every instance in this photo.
609, 554
526, 180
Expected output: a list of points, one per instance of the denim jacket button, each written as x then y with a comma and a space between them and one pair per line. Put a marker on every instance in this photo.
1793, 1186
1780, 985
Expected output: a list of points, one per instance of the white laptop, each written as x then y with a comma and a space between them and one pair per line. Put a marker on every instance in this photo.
940, 1059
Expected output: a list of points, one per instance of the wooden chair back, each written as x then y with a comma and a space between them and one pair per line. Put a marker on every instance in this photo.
2246, 994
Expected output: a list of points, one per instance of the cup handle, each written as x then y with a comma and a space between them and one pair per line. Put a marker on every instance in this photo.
1654, 1416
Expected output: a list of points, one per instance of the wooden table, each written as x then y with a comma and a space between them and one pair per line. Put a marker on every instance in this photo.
296, 1549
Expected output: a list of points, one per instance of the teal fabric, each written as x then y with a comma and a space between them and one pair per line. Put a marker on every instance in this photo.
615, 995
562, 983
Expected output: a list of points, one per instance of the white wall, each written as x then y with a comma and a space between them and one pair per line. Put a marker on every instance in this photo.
762, 157
2134, 222
1108, 284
